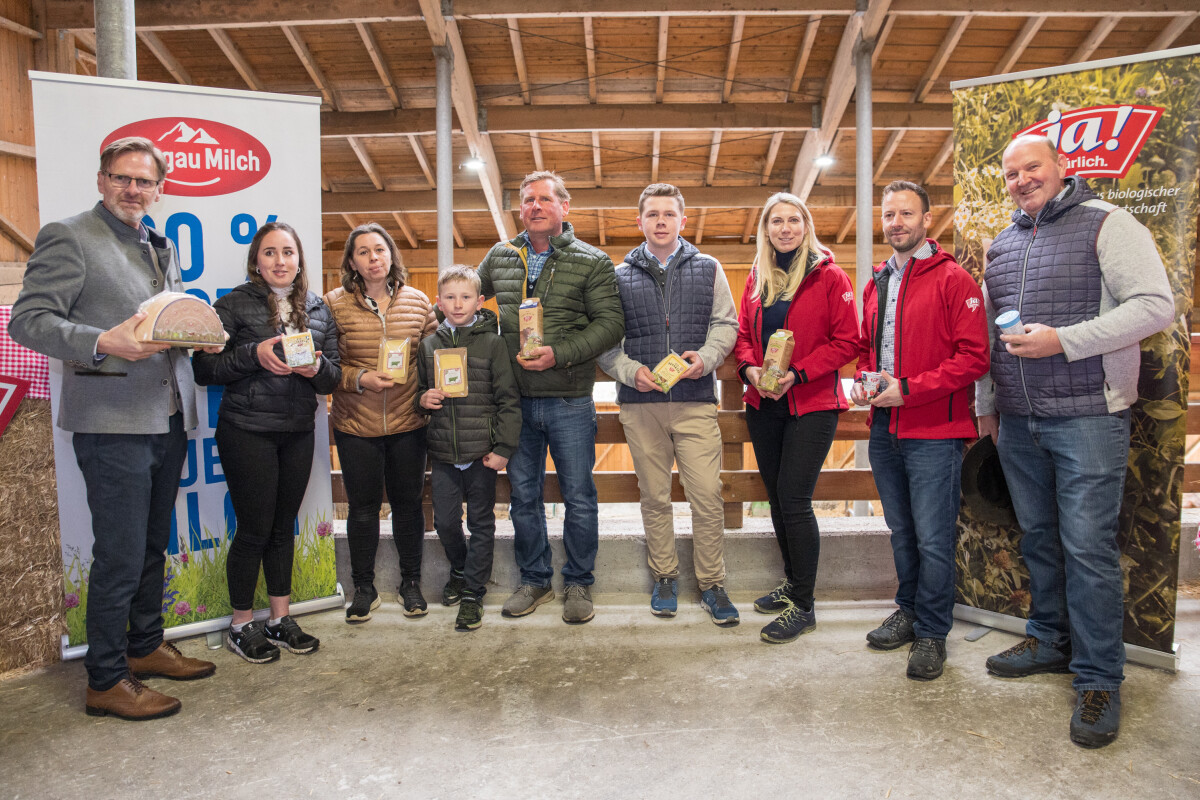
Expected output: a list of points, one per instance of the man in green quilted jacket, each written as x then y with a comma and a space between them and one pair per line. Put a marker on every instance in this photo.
576, 287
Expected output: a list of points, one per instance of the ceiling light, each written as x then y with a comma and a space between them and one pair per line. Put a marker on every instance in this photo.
823, 161
474, 164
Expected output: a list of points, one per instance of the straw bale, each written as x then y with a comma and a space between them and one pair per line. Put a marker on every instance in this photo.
31, 571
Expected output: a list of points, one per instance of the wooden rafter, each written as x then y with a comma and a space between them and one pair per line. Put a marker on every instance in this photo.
847, 224
654, 155
16, 27
938, 160
806, 45
1172, 31
661, 69
889, 150
514, 36
423, 161
735, 47
12, 231
458, 239
1094, 39
349, 220
596, 158
163, 54
601, 232
311, 66
957, 28
381, 65
881, 39
325, 185
535, 144
406, 229
942, 223
699, 237
772, 154
589, 41
1019, 44
18, 150
833, 145
236, 58
368, 163
714, 149
751, 223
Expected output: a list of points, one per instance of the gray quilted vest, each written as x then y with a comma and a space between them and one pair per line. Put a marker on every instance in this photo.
667, 311
1048, 270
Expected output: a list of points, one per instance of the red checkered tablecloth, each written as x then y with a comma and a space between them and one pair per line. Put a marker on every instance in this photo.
21, 363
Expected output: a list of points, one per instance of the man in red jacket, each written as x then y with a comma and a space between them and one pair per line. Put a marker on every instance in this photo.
925, 330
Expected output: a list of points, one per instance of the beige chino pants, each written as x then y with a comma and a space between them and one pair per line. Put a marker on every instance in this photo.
686, 433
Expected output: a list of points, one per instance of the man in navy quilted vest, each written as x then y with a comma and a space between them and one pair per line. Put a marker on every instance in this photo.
1089, 285
676, 300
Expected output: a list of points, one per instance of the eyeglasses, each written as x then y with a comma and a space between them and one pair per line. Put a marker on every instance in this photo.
123, 181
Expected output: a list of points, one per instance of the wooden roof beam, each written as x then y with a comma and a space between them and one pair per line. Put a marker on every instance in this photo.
1019, 44
1172, 31
406, 229
535, 144
661, 68
514, 37
170, 63
847, 224
603, 235
16, 27
833, 144
751, 223
381, 65
349, 220
589, 41
881, 39
772, 154
943, 222
699, 235
957, 28
938, 160
422, 160
368, 164
596, 158
735, 46
655, 149
806, 45
714, 150
237, 59
311, 66
1094, 39
18, 150
889, 150
458, 239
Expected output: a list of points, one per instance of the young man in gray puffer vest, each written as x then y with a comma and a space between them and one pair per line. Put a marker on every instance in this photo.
675, 299
1089, 285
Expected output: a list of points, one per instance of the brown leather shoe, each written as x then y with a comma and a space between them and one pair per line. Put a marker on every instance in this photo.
130, 699
168, 662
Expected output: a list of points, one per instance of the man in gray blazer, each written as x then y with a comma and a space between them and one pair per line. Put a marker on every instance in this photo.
129, 405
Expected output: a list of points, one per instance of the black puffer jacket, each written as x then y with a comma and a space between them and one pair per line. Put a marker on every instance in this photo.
256, 399
488, 419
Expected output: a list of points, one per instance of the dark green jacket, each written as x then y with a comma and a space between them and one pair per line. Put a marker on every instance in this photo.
488, 419
581, 310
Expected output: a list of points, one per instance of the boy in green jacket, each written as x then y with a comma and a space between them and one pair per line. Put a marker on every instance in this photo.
470, 438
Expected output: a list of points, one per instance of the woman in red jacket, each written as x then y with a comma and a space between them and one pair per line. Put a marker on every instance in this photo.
794, 285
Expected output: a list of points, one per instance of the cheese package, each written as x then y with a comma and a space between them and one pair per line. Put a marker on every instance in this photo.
776, 360
529, 323
450, 371
393, 358
181, 320
669, 371
298, 350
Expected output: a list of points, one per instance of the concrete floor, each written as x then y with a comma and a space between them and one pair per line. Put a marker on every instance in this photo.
627, 706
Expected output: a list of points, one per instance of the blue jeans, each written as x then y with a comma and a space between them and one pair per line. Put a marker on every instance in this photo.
131, 480
567, 426
918, 482
1067, 477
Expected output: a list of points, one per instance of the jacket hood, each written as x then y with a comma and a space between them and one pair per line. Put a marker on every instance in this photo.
1078, 192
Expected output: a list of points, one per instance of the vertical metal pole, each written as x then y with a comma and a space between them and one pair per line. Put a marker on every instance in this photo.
445, 159
116, 40
864, 193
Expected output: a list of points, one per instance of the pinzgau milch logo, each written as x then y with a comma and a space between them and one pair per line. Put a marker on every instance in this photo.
1100, 141
204, 157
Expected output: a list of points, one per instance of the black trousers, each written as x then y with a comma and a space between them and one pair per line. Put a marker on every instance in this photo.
790, 451
369, 463
477, 486
267, 475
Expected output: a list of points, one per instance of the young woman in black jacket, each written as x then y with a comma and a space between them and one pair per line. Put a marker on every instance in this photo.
265, 430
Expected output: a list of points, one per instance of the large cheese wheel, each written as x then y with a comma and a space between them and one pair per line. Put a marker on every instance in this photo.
180, 319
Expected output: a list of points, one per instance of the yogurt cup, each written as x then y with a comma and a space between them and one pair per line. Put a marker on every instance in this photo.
871, 382
1010, 322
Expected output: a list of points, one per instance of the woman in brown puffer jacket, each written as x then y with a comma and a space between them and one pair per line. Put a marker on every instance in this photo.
379, 434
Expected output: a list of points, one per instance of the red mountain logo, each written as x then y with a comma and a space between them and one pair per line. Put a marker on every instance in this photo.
1101, 141
205, 158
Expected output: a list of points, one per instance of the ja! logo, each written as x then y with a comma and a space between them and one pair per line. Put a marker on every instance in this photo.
205, 158
1100, 141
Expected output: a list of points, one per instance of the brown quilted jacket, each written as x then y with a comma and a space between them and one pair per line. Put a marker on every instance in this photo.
360, 331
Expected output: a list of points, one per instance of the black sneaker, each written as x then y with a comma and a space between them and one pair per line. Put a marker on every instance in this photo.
925, 659
287, 634
790, 625
251, 643
366, 600
896, 631
776, 600
413, 600
470, 613
1097, 718
453, 590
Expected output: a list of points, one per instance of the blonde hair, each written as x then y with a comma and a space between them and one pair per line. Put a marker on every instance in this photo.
460, 272
770, 282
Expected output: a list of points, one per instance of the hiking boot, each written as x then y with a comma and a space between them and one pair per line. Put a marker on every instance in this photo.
664, 600
452, 592
470, 613
525, 599
1096, 719
790, 625
717, 604
896, 631
925, 658
577, 605
251, 643
130, 699
167, 662
413, 600
366, 600
775, 601
287, 634
1029, 657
